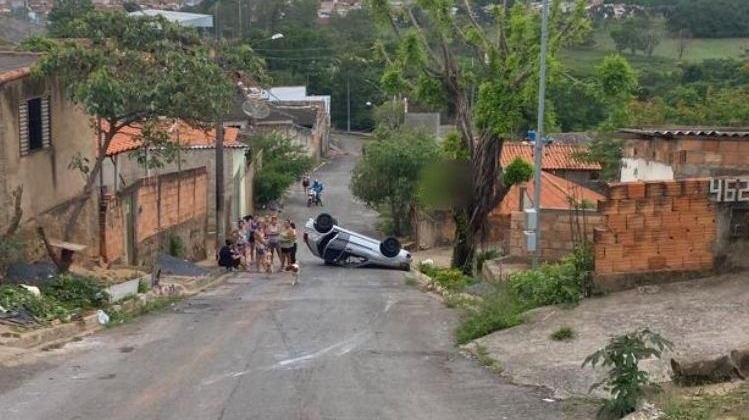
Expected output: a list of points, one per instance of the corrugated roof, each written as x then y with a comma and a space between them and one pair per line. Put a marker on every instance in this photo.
693, 132
555, 156
556, 193
189, 137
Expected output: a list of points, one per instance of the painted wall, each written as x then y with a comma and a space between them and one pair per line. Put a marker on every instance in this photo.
645, 170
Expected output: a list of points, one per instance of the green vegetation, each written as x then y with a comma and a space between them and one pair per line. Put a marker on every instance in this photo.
563, 334
177, 246
517, 172
733, 404
284, 162
497, 311
482, 355
60, 298
485, 256
386, 175
120, 317
450, 279
624, 380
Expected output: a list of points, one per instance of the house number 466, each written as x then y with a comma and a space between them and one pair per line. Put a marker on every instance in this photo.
730, 190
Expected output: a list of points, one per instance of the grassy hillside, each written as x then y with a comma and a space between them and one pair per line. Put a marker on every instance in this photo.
583, 61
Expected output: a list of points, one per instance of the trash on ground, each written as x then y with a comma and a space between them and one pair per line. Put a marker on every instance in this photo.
32, 289
102, 317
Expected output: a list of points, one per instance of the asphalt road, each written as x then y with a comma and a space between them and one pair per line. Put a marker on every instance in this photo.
354, 344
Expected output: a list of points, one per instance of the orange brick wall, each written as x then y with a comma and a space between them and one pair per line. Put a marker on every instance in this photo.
163, 204
692, 157
656, 226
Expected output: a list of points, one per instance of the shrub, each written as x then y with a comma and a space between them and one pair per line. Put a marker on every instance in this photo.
485, 256
283, 162
43, 308
177, 246
563, 334
75, 292
625, 381
451, 279
551, 284
495, 312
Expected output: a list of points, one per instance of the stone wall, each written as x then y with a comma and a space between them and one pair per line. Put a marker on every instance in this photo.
432, 229
652, 227
559, 231
167, 205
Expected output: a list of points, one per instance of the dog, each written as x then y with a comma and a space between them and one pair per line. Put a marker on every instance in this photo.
294, 270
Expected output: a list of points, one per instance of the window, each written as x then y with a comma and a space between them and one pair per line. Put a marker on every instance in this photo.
34, 125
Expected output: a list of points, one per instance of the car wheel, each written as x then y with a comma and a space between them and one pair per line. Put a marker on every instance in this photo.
390, 247
324, 223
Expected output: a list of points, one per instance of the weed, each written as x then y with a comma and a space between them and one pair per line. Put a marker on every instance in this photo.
142, 287
453, 280
122, 316
485, 360
563, 334
733, 404
625, 381
494, 312
176, 246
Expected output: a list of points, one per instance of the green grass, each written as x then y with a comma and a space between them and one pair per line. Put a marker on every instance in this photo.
497, 311
563, 334
582, 61
733, 405
482, 355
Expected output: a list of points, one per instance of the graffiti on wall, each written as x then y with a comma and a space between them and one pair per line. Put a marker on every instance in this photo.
729, 190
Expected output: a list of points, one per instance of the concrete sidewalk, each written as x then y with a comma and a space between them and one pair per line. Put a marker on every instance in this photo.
708, 316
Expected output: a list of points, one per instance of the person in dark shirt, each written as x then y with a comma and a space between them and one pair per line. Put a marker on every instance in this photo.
227, 258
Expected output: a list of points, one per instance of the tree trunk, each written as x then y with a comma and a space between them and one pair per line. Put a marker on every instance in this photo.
464, 248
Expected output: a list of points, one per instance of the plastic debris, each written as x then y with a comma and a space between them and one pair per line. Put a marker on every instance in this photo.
102, 317
32, 289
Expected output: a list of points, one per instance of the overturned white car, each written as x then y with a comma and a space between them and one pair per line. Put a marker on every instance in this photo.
338, 246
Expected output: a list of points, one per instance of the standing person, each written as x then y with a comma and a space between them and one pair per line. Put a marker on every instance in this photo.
294, 247
305, 184
287, 239
261, 257
273, 233
251, 227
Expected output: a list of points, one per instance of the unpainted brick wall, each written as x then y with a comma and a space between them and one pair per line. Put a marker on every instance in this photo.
169, 204
558, 232
692, 157
656, 226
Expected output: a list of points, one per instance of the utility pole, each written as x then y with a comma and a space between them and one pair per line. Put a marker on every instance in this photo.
348, 103
537, 161
220, 230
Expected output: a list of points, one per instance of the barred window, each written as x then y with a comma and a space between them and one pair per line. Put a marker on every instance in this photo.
34, 125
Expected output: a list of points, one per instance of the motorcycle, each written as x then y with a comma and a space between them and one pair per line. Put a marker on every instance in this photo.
313, 197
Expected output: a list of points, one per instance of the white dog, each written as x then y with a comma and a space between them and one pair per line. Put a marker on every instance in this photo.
294, 270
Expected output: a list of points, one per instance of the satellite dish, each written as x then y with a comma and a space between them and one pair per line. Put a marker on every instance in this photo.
255, 108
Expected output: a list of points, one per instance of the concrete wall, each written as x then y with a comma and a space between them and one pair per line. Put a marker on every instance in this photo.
423, 122
688, 157
645, 170
167, 205
48, 184
432, 229
559, 231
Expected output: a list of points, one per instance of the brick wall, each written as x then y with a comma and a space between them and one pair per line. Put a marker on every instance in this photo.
559, 229
165, 205
658, 226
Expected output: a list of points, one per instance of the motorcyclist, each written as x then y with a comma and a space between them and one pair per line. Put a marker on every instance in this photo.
317, 188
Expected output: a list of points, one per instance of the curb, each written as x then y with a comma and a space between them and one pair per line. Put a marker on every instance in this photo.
60, 332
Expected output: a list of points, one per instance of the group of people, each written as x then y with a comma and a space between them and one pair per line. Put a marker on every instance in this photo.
256, 241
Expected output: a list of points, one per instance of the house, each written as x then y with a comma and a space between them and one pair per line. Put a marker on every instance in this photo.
562, 160
40, 135
306, 124
568, 213
666, 154
194, 166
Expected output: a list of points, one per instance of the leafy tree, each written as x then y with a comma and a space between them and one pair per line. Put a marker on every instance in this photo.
710, 18
64, 13
441, 43
283, 163
134, 71
636, 34
386, 176
517, 172
614, 84
625, 380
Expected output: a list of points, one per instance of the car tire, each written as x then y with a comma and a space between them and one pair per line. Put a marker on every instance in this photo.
324, 223
390, 247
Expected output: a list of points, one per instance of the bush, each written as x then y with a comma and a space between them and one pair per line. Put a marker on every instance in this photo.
76, 292
283, 163
625, 381
452, 279
177, 246
563, 334
42, 308
551, 284
495, 312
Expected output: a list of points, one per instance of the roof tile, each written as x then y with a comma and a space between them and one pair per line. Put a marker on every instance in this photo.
188, 136
555, 156
556, 193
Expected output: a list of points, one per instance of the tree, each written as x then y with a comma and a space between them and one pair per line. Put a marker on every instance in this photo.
386, 176
614, 84
636, 34
64, 13
283, 163
441, 45
134, 71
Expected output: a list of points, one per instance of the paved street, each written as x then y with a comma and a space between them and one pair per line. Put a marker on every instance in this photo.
344, 344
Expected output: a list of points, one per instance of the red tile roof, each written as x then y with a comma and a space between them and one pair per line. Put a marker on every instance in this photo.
189, 137
555, 156
556, 193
